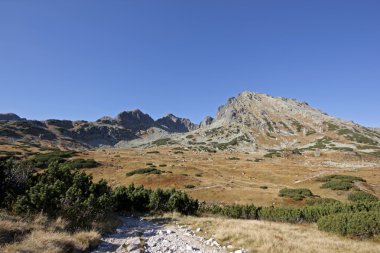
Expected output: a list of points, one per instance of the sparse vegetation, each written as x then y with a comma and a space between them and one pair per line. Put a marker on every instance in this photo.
144, 171
153, 152
161, 142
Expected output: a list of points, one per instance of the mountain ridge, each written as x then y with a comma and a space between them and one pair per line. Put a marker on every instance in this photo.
248, 121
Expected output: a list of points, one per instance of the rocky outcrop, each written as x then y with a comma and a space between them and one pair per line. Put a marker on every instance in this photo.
206, 121
174, 124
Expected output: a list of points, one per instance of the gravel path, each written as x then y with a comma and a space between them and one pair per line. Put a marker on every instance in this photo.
137, 235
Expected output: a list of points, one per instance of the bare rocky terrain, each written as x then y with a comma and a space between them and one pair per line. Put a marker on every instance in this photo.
137, 235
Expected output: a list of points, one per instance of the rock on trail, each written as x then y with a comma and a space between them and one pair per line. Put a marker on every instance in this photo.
137, 235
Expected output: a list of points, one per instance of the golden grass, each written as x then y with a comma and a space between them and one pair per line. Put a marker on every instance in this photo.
270, 237
54, 242
39, 234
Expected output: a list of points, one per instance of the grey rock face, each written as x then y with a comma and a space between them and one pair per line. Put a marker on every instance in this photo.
135, 119
67, 124
174, 124
10, 116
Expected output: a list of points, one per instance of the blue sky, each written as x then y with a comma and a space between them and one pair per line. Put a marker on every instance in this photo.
85, 59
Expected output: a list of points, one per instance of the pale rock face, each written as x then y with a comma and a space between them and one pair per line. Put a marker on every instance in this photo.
206, 121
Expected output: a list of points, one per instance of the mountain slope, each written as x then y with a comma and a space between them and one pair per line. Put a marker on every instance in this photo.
254, 121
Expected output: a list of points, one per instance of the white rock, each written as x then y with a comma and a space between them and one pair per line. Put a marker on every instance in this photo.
198, 230
169, 231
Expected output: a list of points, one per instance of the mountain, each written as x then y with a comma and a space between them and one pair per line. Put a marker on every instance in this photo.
253, 121
248, 122
106, 131
10, 116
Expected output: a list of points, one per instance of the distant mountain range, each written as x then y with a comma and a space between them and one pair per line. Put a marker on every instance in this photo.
247, 122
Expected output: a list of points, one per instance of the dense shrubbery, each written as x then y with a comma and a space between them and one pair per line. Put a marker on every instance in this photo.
362, 224
62, 191
296, 194
360, 196
315, 209
139, 199
231, 211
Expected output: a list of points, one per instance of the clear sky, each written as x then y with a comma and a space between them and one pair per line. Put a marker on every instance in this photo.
85, 59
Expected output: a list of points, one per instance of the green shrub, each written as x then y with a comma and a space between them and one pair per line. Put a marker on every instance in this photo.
320, 201
231, 211
292, 215
338, 185
161, 142
361, 224
153, 152
296, 194
43, 160
339, 182
361, 196
189, 186
60, 191
264, 187
144, 171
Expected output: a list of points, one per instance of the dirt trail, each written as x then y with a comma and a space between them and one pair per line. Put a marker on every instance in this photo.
137, 235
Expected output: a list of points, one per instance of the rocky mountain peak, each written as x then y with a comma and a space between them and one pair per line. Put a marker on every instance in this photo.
134, 119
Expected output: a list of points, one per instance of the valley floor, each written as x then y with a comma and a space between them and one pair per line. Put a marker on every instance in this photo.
233, 177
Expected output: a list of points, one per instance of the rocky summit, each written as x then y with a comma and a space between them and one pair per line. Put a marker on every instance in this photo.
247, 122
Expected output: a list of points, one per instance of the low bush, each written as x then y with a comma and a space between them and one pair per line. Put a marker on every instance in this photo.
359, 196
43, 160
292, 215
231, 211
361, 224
339, 182
296, 194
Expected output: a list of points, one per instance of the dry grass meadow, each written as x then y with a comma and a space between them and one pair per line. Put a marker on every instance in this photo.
231, 177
